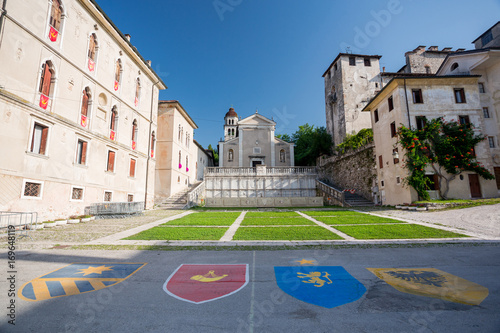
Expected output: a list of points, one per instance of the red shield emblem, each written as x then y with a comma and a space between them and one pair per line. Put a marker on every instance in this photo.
44, 101
204, 283
133, 145
116, 85
136, 102
53, 34
152, 153
83, 122
112, 134
91, 65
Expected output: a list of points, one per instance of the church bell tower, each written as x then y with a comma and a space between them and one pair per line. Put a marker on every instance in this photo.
230, 125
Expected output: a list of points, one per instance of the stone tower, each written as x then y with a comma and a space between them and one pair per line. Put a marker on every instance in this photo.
230, 125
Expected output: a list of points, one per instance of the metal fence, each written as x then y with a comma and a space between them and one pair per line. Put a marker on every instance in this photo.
23, 223
115, 208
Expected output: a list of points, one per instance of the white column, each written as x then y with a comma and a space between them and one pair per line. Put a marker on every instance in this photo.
273, 153
240, 149
221, 154
292, 157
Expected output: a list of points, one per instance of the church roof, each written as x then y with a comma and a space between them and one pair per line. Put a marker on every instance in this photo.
231, 113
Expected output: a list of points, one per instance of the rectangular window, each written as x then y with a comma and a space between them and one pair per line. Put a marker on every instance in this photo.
421, 121
382, 184
367, 62
487, 37
380, 161
395, 156
459, 95
433, 184
497, 176
32, 189
132, 168
417, 96
108, 195
486, 113
463, 120
130, 198
352, 61
491, 141
77, 193
391, 103
398, 180
111, 161
375, 115
39, 139
81, 152
481, 87
393, 129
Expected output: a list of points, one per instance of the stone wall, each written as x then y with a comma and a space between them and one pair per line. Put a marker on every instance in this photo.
351, 170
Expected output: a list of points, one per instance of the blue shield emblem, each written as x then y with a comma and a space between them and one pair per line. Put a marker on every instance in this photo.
326, 286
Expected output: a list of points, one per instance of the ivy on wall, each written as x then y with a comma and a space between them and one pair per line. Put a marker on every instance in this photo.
448, 147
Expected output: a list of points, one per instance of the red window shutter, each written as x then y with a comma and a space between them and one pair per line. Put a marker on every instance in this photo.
132, 167
85, 103
43, 142
117, 72
47, 77
111, 161
435, 179
381, 163
113, 119
84, 152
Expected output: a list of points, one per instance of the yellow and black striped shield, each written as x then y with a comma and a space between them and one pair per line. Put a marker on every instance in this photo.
432, 282
77, 278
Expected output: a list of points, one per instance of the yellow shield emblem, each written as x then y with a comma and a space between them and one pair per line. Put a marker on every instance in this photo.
432, 282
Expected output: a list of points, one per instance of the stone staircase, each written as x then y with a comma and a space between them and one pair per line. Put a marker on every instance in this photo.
178, 200
354, 200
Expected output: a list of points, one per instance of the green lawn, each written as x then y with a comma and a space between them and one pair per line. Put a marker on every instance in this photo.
314, 213
284, 233
215, 214
271, 214
180, 233
355, 219
401, 231
277, 221
215, 219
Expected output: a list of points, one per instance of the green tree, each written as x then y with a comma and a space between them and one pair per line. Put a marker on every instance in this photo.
216, 154
284, 137
353, 142
448, 147
310, 143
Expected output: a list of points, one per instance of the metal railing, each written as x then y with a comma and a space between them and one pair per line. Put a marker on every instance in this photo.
331, 192
22, 223
243, 171
115, 208
196, 195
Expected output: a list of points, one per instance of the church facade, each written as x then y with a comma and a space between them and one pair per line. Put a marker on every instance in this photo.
250, 142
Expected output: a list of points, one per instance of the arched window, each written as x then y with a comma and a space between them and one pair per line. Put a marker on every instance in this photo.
84, 112
180, 159
137, 91
153, 141
454, 66
179, 136
187, 164
232, 131
113, 123
46, 85
230, 155
282, 156
228, 131
187, 140
56, 12
134, 133
118, 74
92, 54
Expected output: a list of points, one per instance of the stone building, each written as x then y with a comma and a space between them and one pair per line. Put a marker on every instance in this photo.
177, 155
410, 101
490, 38
250, 142
78, 105
203, 160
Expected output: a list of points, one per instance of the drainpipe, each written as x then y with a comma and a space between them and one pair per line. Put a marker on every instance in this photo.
2, 15
407, 107
149, 145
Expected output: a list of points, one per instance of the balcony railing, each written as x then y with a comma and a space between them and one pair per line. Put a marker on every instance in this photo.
264, 171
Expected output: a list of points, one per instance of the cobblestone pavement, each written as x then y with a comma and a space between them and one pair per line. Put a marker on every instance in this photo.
482, 220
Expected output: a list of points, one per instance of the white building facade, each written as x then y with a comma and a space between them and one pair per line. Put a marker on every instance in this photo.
79, 110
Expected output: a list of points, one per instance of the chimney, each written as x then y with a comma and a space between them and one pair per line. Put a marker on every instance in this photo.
447, 49
128, 37
383, 69
432, 48
460, 50
148, 62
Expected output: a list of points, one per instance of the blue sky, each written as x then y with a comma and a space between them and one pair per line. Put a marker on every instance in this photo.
270, 54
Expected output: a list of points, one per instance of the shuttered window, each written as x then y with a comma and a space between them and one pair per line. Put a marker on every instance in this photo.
112, 124
111, 161
132, 167
85, 103
55, 15
39, 139
45, 80
92, 47
81, 153
380, 162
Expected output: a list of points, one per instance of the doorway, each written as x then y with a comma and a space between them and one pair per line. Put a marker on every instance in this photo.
255, 163
475, 187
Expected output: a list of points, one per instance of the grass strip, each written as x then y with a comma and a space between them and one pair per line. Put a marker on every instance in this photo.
402, 231
337, 212
284, 233
187, 220
276, 221
272, 214
161, 233
358, 219
216, 215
